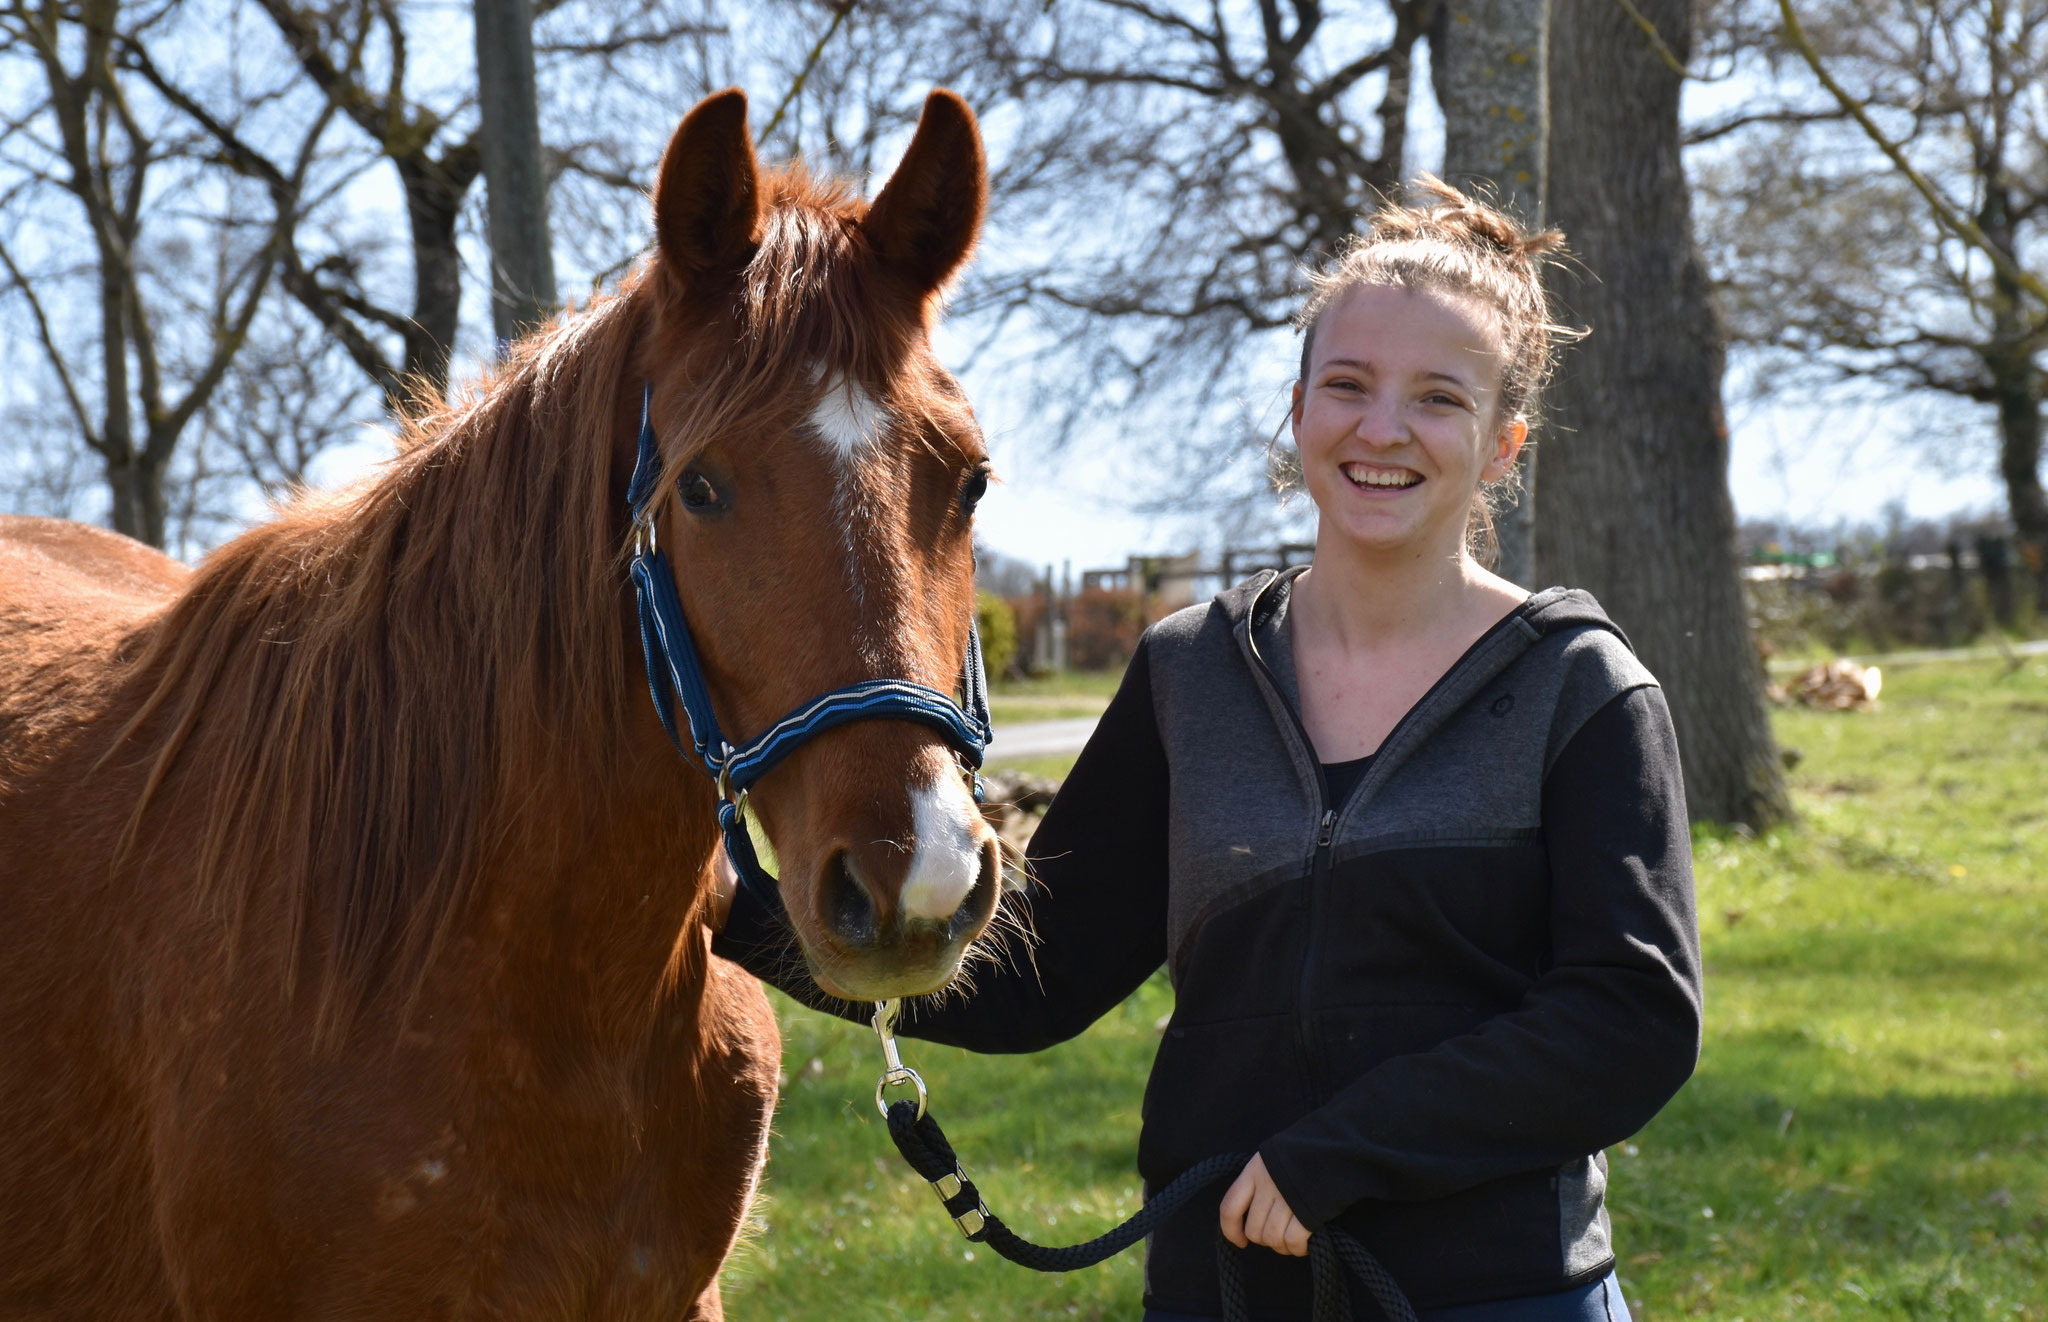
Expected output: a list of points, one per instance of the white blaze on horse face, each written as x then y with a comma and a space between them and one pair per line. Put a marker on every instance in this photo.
947, 861
847, 419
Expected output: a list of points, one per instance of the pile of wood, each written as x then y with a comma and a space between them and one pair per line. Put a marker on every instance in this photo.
1838, 685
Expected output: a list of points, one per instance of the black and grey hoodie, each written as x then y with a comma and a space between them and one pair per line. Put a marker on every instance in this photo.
1429, 1006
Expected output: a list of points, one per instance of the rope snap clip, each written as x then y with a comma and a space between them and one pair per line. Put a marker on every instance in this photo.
896, 1073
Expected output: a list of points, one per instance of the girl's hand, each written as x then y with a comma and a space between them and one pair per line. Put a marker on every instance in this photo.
1253, 1212
723, 880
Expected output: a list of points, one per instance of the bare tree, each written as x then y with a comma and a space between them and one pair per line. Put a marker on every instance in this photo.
1886, 226
172, 298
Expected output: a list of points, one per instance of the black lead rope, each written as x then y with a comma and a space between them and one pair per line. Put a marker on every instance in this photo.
924, 1145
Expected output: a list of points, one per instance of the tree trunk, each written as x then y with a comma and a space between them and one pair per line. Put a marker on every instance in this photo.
1488, 60
137, 488
433, 203
2016, 388
516, 185
1635, 482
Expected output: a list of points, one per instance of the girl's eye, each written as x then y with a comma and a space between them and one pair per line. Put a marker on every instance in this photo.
698, 493
976, 488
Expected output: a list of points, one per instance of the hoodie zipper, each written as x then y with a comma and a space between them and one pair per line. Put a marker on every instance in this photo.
1306, 1032
1306, 1039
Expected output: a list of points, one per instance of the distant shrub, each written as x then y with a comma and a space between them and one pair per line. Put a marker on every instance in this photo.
1876, 608
998, 625
1103, 625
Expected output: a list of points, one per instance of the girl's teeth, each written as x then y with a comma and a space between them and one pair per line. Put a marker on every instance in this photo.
1369, 478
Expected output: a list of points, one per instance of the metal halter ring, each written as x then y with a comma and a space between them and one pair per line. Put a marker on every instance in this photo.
892, 1078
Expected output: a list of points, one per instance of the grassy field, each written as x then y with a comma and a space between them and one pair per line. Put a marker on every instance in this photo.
1056, 697
1866, 1138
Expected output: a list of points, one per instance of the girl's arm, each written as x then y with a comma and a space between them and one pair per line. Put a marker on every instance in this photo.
1599, 1043
1096, 905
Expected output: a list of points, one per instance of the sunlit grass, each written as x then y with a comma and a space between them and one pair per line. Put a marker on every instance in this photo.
1869, 1124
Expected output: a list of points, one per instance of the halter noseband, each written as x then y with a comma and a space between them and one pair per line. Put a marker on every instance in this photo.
673, 673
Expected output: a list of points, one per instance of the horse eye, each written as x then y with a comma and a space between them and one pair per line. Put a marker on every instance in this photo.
698, 493
976, 488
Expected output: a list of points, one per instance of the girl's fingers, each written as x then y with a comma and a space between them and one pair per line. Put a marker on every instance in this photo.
1273, 1230
1237, 1200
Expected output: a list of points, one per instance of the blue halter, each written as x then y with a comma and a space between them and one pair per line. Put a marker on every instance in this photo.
673, 673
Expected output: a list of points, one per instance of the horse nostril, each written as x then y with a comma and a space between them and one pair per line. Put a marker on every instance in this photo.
848, 908
981, 901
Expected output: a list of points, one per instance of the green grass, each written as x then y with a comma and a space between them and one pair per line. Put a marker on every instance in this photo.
1098, 684
1869, 1123
1015, 711
1062, 695
1052, 768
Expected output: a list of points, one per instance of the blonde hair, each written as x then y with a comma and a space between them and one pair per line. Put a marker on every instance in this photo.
1449, 242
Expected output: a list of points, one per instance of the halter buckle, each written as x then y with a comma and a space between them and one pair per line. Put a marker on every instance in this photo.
725, 791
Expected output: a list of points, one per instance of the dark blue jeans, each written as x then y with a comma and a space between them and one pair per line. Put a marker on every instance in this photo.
1599, 1302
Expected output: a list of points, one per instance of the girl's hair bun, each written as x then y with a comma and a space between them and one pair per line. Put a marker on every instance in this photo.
1449, 214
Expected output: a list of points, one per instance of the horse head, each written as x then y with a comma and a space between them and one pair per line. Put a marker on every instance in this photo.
819, 472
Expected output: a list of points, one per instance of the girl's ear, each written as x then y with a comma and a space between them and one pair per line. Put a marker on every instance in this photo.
1294, 412
1507, 445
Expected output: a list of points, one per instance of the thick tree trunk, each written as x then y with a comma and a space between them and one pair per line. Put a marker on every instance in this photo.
1635, 480
1488, 60
522, 262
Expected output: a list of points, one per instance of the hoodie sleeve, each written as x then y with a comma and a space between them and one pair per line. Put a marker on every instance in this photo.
1599, 1043
1095, 905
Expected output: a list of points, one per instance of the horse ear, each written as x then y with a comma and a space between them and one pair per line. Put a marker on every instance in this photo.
927, 217
707, 203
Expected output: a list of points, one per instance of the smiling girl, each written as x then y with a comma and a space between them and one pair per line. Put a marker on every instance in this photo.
1410, 842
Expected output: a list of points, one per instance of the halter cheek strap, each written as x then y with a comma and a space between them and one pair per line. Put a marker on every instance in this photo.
674, 676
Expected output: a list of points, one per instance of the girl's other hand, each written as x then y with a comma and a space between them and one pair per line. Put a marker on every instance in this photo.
1253, 1212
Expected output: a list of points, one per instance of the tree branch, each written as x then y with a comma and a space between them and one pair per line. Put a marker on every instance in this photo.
840, 10
48, 339
1657, 42
1962, 226
1735, 123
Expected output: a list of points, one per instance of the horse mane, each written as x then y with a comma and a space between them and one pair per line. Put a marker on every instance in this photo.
352, 687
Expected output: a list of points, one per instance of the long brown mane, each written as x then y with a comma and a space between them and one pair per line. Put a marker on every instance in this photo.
362, 682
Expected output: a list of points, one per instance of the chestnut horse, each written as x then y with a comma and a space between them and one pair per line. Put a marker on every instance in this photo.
351, 961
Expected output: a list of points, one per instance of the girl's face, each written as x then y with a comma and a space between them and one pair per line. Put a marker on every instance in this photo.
1396, 422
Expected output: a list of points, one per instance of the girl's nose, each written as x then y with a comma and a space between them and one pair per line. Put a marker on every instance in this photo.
1379, 422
